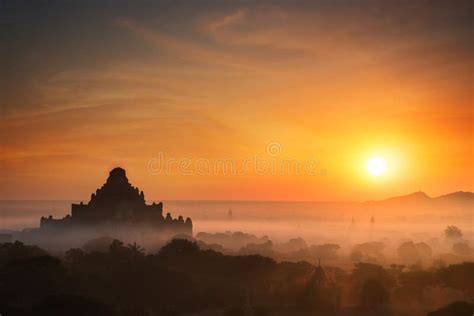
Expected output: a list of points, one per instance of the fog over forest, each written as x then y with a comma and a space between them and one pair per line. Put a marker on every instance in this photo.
371, 264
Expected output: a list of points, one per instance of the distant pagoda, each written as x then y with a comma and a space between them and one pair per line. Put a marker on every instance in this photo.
118, 203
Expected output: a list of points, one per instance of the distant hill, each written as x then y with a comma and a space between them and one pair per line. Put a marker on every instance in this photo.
417, 203
422, 197
460, 196
415, 197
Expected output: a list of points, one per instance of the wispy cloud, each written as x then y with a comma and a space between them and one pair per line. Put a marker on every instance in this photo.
185, 49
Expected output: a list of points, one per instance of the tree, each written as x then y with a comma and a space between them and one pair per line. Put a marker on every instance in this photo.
458, 276
26, 281
453, 233
136, 249
179, 247
368, 251
456, 308
10, 252
73, 305
363, 272
462, 248
407, 252
412, 285
410, 252
326, 251
374, 295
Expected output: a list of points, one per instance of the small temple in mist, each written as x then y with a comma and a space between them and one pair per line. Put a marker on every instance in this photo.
118, 203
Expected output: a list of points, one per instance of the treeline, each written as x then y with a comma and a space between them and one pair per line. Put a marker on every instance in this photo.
182, 278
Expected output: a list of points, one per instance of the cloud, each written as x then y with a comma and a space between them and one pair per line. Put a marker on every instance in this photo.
185, 49
214, 77
339, 31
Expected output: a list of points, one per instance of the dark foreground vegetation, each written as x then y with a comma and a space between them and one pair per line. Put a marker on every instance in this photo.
182, 279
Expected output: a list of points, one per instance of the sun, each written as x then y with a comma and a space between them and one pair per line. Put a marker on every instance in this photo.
376, 166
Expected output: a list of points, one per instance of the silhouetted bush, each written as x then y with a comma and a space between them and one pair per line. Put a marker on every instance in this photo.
454, 309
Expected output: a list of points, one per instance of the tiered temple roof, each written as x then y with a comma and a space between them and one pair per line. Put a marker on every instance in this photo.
118, 202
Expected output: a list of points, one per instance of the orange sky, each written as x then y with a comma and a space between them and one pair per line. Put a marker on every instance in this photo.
89, 88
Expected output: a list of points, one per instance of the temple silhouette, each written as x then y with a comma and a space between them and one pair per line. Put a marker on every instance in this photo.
118, 203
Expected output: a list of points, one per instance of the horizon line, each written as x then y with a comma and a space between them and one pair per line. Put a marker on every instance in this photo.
243, 200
